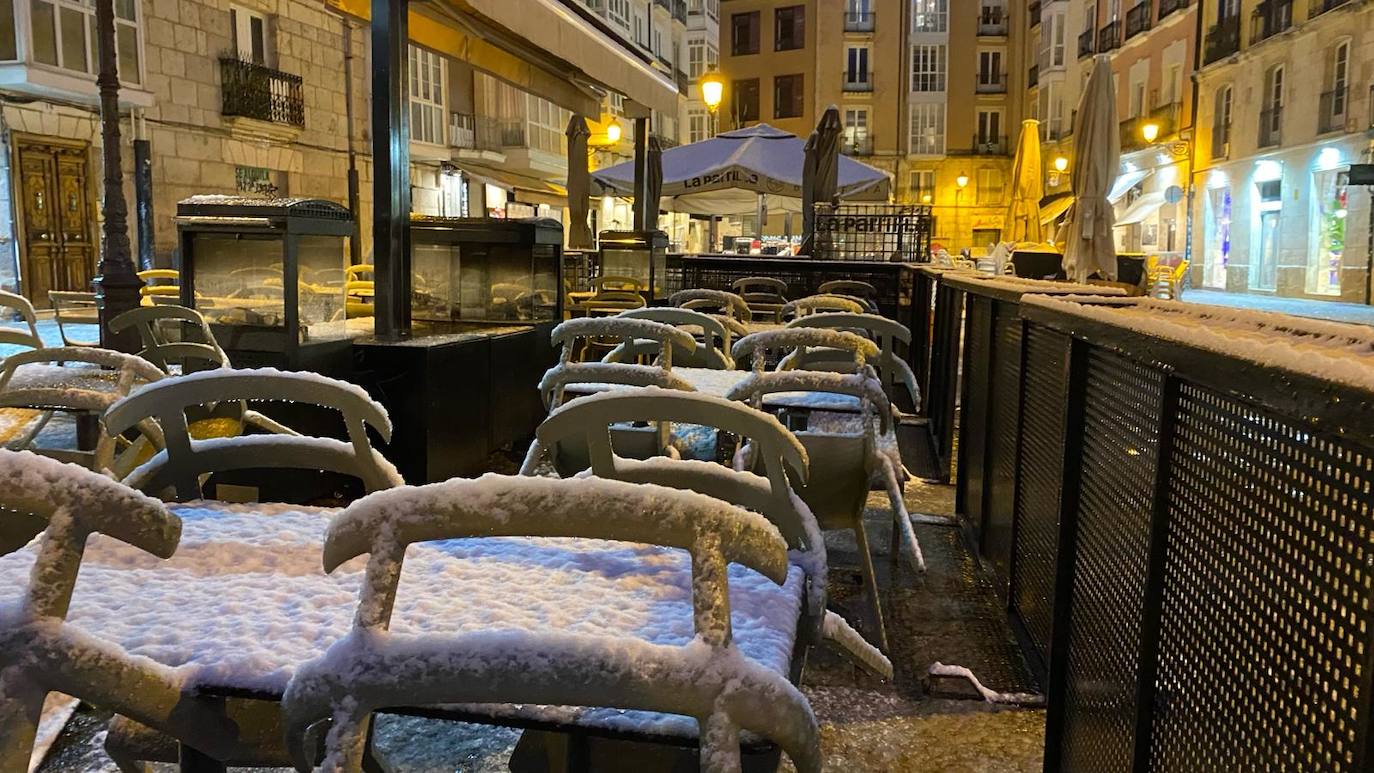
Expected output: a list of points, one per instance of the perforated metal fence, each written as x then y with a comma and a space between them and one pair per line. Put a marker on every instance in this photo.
873, 232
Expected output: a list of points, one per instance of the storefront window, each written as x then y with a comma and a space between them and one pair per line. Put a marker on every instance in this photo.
1218, 236
1324, 270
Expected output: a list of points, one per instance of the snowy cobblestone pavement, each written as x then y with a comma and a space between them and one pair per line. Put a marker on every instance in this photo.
1335, 311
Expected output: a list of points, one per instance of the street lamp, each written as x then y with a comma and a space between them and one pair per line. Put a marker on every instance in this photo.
712, 93
613, 133
1150, 132
961, 181
1061, 164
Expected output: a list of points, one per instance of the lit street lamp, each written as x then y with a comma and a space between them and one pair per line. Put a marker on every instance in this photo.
961, 181
1061, 165
712, 93
1150, 132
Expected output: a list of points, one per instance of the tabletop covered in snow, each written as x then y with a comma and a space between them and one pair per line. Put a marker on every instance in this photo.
719, 383
245, 599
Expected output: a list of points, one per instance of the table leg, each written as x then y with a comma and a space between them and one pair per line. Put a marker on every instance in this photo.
87, 430
192, 761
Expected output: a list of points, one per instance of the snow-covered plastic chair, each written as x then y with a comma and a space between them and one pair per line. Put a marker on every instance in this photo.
573, 334
708, 678
74, 308
720, 301
846, 461
799, 341
713, 347
819, 304
41, 653
765, 295
852, 288
180, 465
893, 371
12, 336
192, 346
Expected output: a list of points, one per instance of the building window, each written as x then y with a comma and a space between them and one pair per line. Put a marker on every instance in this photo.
856, 66
426, 96
250, 34
789, 28
63, 35
928, 68
989, 183
1221, 123
928, 128
1057, 33
619, 11
929, 15
696, 57
546, 123
990, 131
641, 29
1340, 78
856, 131
787, 96
923, 185
745, 106
697, 123
990, 69
744, 33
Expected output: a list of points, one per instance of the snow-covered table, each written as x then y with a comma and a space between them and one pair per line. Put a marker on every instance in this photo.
245, 600
719, 383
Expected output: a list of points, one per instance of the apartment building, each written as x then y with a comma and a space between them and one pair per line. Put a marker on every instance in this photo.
924, 87
1284, 109
1058, 57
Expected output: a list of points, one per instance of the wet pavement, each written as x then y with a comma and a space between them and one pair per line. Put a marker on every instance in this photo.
1336, 311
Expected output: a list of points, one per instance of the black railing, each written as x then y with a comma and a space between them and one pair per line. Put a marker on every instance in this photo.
1332, 109
991, 83
1167, 7
1221, 140
683, 83
1033, 76
254, 91
858, 21
1222, 40
985, 145
1109, 37
1270, 18
1271, 127
1085, 44
858, 81
992, 22
1033, 11
858, 146
1138, 19
1319, 7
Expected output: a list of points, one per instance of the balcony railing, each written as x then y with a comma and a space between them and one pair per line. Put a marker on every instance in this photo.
1166, 117
1270, 18
1109, 37
1332, 110
991, 83
1167, 7
1033, 77
1222, 40
1138, 19
254, 91
857, 146
992, 22
858, 81
1221, 140
1318, 7
1271, 127
858, 21
990, 146
461, 133
1085, 44
683, 83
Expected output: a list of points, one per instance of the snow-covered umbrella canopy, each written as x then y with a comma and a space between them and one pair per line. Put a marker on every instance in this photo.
1090, 246
726, 174
1027, 188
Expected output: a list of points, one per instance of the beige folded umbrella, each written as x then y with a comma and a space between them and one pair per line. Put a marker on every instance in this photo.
1027, 188
1090, 246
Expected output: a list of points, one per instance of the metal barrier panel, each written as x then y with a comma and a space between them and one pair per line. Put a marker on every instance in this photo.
974, 408
944, 373
922, 332
999, 486
1117, 468
1039, 471
1265, 630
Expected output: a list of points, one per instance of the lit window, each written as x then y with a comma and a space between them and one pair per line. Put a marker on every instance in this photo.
62, 33
426, 96
928, 129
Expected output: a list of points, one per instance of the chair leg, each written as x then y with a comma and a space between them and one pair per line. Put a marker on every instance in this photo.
871, 580
21, 706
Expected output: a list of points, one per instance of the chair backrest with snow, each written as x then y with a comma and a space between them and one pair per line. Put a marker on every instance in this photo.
575, 335
13, 335
850, 287
713, 346
886, 333
820, 304
765, 295
798, 341
718, 301
173, 335
707, 680
75, 308
181, 464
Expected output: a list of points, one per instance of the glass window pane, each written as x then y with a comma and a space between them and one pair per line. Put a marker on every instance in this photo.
44, 33
74, 40
128, 53
125, 9
8, 49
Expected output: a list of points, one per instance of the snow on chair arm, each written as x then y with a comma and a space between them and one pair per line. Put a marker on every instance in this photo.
861, 385
758, 344
814, 304
886, 332
736, 304
181, 463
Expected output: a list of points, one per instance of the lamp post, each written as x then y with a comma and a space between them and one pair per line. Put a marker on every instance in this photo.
960, 183
1150, 132
117, 282
712, 93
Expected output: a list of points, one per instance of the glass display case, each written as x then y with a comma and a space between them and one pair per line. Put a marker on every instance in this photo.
638, 255
484, 271
268, 274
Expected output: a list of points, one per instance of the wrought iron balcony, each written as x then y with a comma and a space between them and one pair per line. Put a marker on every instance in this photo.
683, 83
984, 145
1221, 140
1271, 127
1109, 37
1319, 7
856, 146
1166, 117
1085, 44
258, 92
858, 81
1222, 40
1167, 7
1270, 18
858, 21
992, 22
1033, 77
1138, 19
1332, 110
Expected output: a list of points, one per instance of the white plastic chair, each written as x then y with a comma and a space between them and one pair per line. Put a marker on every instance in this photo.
573, 334
893, 371
713, 345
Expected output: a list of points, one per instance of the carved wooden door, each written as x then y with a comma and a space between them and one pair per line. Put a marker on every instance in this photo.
57, 252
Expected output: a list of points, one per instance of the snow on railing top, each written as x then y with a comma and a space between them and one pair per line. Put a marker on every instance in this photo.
1335, 351
1043, 286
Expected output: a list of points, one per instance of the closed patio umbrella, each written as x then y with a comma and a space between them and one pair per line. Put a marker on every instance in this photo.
579, 185
1027, 188
820, 172
1090, 245
653, 184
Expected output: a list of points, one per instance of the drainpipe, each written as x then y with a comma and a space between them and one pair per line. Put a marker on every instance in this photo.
1192, 145
355, 242
143, 189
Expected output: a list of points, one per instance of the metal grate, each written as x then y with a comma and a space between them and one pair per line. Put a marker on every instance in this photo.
1004, 413
1120, 441
974, 405
1038, 490
1277, 522
873, 232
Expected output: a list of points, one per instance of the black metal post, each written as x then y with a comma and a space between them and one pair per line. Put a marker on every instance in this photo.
641, 136
117, 283
355, 243
1076, 381
143, 201
391, 168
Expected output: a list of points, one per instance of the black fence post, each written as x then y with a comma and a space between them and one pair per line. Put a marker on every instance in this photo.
1076, 381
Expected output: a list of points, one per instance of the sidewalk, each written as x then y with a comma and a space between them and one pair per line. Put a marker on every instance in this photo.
1332, 310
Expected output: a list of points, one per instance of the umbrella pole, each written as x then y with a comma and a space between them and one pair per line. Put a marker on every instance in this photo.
641, 209
760, 216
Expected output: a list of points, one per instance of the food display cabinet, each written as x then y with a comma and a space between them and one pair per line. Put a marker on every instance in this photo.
638, 255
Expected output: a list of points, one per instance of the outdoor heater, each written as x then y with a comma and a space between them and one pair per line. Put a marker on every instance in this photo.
638, 255
269, 277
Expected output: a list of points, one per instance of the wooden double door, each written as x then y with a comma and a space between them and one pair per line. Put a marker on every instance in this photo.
57, 250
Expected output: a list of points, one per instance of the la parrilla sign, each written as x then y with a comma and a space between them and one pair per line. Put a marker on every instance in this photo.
728, 177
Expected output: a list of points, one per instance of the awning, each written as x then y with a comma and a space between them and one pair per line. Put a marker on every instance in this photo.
530, 190
1143, 207
1126, 181
1053, 210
